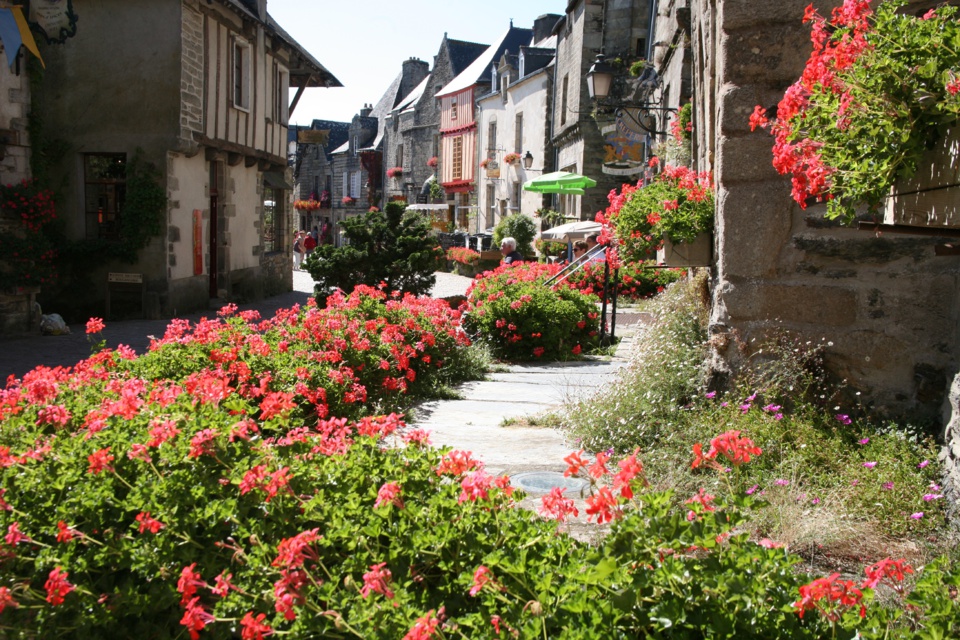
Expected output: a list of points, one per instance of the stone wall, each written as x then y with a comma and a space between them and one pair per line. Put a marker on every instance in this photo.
887, 306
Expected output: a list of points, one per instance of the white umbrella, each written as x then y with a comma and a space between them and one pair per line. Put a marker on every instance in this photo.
572, 231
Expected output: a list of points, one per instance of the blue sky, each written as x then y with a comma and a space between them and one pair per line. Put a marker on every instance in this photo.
364, 42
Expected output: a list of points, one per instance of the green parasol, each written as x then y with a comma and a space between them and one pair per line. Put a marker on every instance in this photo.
560, 182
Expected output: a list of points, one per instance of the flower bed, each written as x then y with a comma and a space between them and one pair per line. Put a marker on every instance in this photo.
636, 280
203, 486
463, 255
521, 319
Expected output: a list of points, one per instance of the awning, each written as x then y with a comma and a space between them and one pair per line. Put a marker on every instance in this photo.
276, 180
427, 207
572, 231
560, 182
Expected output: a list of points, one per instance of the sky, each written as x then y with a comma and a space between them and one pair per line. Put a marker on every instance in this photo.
363, 42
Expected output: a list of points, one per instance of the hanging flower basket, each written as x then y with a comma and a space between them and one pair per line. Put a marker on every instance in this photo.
306, 205
347, 200
511, 158
432, 162
395, 172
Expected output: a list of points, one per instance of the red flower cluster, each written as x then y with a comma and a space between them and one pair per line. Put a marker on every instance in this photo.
737, 450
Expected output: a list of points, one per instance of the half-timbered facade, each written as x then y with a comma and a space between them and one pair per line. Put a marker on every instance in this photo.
199, 89
458, 124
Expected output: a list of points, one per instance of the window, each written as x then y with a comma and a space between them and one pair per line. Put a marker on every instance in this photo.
516, 195
492, 135
281, 91
436, 144
518, 134
355, 184
491, 206
399, 155
641, 47
272, 225
563, 102
356, 144
453, 109
458, 158
346, 184
241, 75
105, 178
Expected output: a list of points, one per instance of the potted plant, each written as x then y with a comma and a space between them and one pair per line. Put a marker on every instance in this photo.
306, 205
432, 162
672, 215
511, 158
395, 172
347, 200
879, 90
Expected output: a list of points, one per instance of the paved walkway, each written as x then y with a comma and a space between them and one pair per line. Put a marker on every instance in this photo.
20, 354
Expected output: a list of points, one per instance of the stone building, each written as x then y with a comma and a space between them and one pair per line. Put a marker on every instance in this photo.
458, 125
199, 89
16, 302
622, 31
412, 129
885, 306
515, 117
359, 164
313, 170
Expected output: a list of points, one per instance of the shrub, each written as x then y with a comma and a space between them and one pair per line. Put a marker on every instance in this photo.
27, 250
512, 310
636, 281
521, 228
551, 247
463, 255
390, 247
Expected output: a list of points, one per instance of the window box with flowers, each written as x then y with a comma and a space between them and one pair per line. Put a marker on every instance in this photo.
511, 158
432, 162
879, 92
672, 215
395, 172
347, 200
306, 205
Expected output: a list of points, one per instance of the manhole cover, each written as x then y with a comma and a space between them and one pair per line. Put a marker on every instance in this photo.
544, 481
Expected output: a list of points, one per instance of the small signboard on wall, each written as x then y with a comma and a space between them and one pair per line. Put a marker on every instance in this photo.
55, 18
197, 242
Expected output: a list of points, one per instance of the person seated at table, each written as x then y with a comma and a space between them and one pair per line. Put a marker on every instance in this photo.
592, 241
579, 248
508, 247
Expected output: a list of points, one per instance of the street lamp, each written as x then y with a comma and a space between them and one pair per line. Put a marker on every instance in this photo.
527, 160
607, 88
600, 78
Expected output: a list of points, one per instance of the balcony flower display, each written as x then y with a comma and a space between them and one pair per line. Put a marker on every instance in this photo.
347, 200
306, 205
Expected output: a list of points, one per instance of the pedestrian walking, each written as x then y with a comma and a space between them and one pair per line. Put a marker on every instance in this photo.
297, 250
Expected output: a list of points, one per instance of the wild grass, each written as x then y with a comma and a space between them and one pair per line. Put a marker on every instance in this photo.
835, 487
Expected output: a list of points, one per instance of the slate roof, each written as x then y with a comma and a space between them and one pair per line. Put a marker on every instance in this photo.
463, 53
339, 133
536, 58
409, 101
479, 70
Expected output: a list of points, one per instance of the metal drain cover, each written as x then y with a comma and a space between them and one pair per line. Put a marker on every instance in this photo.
544, 481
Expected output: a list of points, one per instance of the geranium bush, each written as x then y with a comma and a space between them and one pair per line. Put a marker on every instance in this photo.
512, 310
27, 250
463, 255
879, 89
678, 204
636, 280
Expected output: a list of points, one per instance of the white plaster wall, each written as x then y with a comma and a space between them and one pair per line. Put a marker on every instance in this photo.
14, 102
189, 178
243, 217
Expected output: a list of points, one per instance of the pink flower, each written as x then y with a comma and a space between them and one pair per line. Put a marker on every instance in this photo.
99, 460
481, 578
710, 394
864, 440
57, 586
6, 600
15, 536
555, 505
95, 325
932, 496
195, 618
389, 494
888, 486
758, 118
923, 464
869, 465
376, 580
752, 489
424, 628
147, 523
917, 516
780, 482
770, 544
254, 628
932, 13
843, 418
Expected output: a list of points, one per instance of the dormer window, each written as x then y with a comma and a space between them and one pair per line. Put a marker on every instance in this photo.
453, 109
493, 76
523, 64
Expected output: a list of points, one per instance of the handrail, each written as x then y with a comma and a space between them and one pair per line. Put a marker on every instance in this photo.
608, 294
576, 265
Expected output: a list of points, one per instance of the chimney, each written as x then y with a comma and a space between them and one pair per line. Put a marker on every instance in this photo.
365, 112
262, 10
543, 26
414, 71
